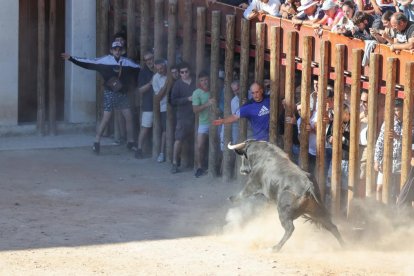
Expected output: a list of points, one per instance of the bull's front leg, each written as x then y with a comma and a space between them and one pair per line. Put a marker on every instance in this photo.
251, 188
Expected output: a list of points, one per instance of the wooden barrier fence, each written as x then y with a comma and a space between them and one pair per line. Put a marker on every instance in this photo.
277, 44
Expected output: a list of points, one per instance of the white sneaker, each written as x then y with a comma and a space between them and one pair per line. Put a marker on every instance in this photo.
161, 158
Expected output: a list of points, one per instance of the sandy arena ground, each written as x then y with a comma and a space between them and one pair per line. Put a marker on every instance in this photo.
68, 212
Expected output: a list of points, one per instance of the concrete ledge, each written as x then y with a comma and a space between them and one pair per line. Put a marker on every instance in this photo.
62, 128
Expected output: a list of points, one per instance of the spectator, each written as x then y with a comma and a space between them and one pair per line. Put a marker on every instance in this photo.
311, 129
407, 7
404, 38
381, 29
381, 6
201, 103
345, 25
145, 89
256, 111
181, 98
160, 91
363, 23
260, 8
289, 8
396, 136
309, 14
110, 67
332, 14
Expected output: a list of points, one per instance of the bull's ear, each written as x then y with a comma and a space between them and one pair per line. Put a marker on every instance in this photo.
240, 151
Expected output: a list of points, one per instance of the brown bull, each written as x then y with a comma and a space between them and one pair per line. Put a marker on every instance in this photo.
294, 191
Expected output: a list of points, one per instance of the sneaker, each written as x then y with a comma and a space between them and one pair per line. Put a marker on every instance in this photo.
138, 154
174, 168
199, 172
96, 147
161, 158
132, 146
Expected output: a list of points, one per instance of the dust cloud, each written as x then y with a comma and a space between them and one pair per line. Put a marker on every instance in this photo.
379, 240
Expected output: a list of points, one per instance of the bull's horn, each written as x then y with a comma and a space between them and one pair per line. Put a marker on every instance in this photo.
237, 146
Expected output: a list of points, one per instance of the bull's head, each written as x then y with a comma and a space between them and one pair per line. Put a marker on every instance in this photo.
240, 149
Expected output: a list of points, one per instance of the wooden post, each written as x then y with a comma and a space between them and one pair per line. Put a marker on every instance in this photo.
172, 38
371, 180
131, 47
337, 129
353, 179
275, 34
102, 43
188, 33
260, 50
305, 102
244, 73
41, 67
407, 121
117, 16
158, 29
158, 53
200, 53
321, 125
214, 93
290, 90
117, 118
388, 126
52, 67
144, 29
228, 165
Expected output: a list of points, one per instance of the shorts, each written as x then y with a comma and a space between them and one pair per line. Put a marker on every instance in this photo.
183, 129
203, 129
379, 178
115, 100
163, 118
147, 118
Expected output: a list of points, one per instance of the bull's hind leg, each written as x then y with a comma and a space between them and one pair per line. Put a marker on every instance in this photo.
328, 224
287, 223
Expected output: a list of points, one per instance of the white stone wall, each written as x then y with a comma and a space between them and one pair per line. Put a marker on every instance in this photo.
80, 84
9, 41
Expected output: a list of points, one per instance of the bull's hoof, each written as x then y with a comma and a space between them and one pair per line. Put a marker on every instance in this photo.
231, 198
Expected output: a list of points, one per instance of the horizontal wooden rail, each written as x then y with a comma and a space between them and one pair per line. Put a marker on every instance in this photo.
287, 26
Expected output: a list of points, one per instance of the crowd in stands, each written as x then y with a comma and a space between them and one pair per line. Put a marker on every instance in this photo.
381, 21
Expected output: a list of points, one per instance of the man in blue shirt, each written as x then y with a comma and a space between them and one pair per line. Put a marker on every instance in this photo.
256, 111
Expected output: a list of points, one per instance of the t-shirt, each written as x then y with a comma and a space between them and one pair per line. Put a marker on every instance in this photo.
272, 7
179, 98
145, 77
404, 36
158, 82
258, 115
200, 97
319, 14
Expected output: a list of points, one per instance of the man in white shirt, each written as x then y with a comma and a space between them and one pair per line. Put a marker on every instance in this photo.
260, 8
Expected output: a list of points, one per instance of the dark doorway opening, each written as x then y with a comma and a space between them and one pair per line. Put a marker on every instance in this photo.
28, 43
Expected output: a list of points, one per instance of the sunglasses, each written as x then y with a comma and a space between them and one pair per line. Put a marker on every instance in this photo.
184, 72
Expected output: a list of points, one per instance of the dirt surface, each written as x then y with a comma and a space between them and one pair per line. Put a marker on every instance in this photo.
68, 212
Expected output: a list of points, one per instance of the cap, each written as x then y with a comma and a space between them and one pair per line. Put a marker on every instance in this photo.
116, 44
304, 4
327, 5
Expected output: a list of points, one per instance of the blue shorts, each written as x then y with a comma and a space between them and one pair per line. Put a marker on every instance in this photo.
203, 129
114, 100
